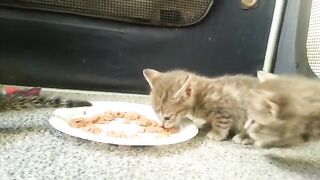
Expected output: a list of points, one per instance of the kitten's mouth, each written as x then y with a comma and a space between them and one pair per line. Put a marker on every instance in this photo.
168, 125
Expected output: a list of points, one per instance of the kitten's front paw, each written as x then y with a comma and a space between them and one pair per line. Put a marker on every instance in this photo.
237, 139
217, 136
248, 141
242, 139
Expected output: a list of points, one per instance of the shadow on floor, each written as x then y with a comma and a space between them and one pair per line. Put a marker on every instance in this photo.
306, 167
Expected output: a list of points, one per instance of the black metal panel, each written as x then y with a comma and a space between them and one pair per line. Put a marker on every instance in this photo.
164, 12
65, 51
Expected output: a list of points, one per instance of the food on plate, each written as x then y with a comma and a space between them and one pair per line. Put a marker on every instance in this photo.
147, 125
161, 131
120, 134
92, 128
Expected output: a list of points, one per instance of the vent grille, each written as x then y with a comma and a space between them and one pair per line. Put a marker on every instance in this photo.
155, 12
313, 40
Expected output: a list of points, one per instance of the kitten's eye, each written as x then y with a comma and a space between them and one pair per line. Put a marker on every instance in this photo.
167, 118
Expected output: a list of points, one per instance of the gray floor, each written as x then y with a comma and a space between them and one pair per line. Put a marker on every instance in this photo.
31, 149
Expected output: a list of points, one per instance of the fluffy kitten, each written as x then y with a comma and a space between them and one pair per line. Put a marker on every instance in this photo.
220, 101
22, 102
284, 111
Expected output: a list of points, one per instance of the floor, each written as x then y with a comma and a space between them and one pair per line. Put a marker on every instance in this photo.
31, 149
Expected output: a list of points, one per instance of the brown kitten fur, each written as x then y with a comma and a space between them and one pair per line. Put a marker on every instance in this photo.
284, 111
220, 101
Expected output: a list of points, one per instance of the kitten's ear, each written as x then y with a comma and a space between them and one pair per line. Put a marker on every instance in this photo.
273, 100
263, 76
150, 75
186, 89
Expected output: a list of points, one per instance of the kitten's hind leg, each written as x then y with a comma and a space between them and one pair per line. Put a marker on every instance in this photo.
220, 129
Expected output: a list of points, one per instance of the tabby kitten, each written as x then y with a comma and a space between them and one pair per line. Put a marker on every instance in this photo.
221, 102
284, 111
23, 102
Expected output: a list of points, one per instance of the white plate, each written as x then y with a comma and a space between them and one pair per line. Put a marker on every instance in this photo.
59, 120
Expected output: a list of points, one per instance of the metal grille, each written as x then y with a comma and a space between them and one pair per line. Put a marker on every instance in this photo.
155, 12
313, 41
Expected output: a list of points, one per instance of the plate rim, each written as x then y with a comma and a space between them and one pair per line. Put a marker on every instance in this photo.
116, 141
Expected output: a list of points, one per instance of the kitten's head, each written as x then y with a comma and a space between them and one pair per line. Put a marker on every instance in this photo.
265, 106
275, 120
171, 94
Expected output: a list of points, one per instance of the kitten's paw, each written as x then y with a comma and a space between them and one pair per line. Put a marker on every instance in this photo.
248, 141
242, 139
237, 139
217, 136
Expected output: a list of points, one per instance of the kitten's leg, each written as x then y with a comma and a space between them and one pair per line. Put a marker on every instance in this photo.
248, 123
199, 122
243, 137
220, 129
253, 128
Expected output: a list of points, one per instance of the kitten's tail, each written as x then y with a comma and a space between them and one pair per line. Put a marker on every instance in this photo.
26, 102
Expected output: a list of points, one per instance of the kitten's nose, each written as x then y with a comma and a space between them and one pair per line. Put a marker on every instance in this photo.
167, 118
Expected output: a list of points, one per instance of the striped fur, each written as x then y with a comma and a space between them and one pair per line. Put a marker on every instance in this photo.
21, 102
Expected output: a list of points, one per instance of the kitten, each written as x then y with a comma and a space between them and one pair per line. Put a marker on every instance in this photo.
23, 102
284, 111
221, 101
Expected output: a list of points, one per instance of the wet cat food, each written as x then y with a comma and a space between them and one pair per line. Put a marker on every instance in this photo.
147, 125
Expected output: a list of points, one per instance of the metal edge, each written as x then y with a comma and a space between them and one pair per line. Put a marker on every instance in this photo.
274, 35
291, 57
